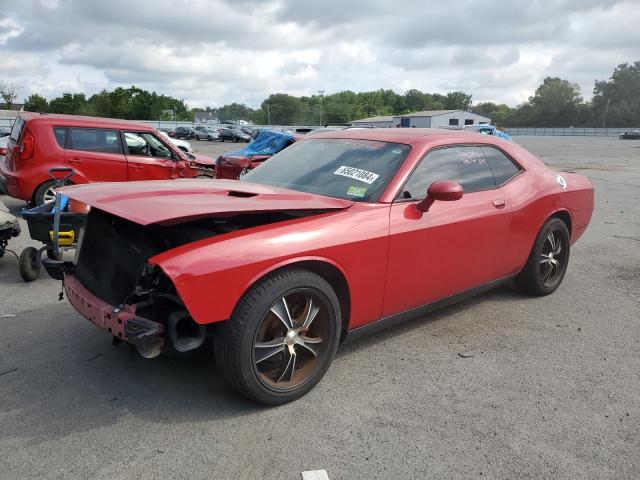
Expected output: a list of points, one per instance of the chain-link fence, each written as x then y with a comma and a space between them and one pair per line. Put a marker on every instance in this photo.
568, 132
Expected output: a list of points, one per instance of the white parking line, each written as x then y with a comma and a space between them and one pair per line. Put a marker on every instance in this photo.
315, 475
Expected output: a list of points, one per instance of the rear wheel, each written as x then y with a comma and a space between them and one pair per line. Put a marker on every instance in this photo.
548, 261
45, 193
281, 338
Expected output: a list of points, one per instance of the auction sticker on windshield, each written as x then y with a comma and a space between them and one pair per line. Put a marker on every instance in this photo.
356, 191
357, 174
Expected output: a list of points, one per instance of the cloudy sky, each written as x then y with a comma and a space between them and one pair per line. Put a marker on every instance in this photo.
216, 52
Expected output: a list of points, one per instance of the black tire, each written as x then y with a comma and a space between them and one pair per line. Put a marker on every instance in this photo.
548, 262
237, 340
235, 139
54, 256
38, 196
197, 137
29, 264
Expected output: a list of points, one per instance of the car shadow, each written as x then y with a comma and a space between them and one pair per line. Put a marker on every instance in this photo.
60, 375
504, 293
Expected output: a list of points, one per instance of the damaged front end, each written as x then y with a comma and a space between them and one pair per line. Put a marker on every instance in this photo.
112, 283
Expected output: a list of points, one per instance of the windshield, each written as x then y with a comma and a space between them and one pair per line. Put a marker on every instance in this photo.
342, 168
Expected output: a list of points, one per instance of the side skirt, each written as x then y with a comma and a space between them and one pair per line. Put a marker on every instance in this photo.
387, 322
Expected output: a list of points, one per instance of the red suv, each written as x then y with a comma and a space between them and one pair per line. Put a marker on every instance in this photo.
98, 150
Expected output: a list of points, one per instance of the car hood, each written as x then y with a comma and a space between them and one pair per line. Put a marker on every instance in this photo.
176, 201
203, 160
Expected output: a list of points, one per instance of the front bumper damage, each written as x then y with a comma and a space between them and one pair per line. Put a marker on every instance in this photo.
122, 322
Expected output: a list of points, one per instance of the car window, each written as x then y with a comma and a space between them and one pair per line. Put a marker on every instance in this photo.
61, 136
146, 145
94, 140
501, 166
18, 125
352, 169
465, 165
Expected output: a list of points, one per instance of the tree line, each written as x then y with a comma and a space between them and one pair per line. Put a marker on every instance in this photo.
555, 103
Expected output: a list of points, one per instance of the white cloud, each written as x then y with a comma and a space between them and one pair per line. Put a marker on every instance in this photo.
217, 52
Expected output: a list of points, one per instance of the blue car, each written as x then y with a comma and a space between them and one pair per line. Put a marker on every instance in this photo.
489, 130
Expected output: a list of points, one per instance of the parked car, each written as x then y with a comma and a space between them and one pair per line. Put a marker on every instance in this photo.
206, 133
181, 144
234, 165
488, 130
98, 150
185, 132
631, 135
4, 132
3, 148
171, 132
333, 238
234, 134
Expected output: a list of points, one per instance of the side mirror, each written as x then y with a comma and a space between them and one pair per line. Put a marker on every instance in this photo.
442, 191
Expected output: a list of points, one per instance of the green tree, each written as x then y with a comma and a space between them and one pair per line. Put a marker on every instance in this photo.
616, 102
499, 113
68, 103
457, 101
36, 103
284, 109
8, 93
555, 103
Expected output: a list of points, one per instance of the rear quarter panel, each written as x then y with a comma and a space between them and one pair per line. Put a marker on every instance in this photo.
211, 275
535, 196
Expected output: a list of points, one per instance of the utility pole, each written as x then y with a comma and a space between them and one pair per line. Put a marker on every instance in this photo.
321, 92
268, 114
606, 110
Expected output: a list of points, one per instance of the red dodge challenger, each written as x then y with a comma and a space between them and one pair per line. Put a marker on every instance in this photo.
336, 236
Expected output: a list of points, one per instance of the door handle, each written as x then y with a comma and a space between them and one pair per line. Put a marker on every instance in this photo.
75, 160
500, 203
136, 167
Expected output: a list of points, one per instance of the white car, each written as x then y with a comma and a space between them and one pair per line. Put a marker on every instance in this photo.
181, 144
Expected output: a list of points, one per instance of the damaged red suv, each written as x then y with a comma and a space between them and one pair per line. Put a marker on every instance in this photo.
98, 150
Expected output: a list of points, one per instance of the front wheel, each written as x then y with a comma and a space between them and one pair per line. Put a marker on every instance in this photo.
548, 261
281, 338
29, 264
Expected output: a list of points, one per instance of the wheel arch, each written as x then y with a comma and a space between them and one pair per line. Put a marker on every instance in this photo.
75, 180
327, 269
563, 215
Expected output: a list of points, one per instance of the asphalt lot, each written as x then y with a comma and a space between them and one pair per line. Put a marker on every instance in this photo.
549, 387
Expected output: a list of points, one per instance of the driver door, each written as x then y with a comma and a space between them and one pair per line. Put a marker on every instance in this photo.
456, 245
148, 158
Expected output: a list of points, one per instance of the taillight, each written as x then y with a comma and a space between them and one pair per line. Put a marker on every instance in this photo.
3, 152
26, 147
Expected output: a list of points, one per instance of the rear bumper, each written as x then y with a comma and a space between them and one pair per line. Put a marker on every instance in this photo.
122, 323
14, 186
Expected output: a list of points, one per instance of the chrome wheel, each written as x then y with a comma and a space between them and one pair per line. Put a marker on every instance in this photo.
49, 195
553, 258
292, 340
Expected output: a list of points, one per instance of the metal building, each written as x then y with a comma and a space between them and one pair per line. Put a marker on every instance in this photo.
440, 119
426, 119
